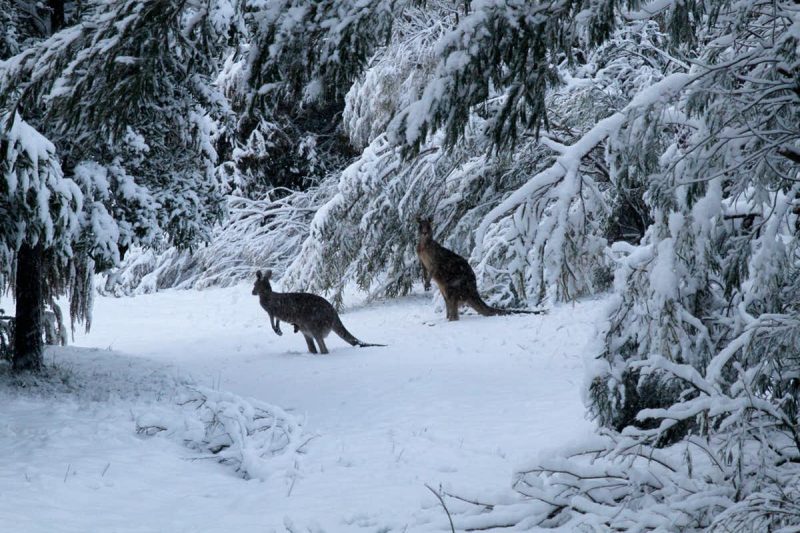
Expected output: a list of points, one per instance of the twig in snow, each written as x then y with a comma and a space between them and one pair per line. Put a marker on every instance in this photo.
441, 500
294, 479
300, 449
486, 506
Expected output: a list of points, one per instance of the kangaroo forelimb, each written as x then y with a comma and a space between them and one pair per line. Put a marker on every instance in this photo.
276, 325
426, 278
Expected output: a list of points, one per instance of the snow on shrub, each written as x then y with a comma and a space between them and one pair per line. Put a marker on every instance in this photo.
252, 437
258, 234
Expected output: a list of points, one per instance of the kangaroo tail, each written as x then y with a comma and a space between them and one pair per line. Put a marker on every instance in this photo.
367, 344
526, 312
477, 303
348, 337
485, 309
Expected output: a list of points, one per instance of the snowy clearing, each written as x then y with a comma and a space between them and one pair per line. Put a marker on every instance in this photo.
456, 405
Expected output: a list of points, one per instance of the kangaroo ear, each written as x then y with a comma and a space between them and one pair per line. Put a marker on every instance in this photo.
258, 275
268, 274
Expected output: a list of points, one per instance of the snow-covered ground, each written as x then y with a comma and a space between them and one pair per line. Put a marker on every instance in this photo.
450, 405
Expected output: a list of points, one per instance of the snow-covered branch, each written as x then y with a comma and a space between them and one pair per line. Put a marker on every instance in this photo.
570, 157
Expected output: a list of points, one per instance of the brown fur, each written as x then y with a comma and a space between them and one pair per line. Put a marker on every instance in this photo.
453, 275
310, 314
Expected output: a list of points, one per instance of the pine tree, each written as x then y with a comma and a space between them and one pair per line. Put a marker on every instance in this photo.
39, 211
126, 98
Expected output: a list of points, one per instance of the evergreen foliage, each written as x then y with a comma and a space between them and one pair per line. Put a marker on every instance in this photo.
564, 147
125, 91
682, 179
125, 99
313, 51
696, 375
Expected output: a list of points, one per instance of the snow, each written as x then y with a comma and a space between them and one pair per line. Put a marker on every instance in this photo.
452, 405
35, 145
649, 11
663, 278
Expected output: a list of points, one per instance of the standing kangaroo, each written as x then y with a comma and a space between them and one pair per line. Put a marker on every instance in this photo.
310, 314
453, 275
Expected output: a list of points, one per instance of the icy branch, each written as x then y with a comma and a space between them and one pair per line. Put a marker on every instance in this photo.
568, 163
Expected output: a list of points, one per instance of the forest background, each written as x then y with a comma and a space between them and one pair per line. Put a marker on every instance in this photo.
566, 147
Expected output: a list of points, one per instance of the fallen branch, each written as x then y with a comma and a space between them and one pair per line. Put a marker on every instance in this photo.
441, 501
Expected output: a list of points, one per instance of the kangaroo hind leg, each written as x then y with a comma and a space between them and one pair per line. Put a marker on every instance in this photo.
310, 342
321, 342
451, 304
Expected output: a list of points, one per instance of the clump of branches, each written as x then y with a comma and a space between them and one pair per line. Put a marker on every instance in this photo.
258, 234
254, 438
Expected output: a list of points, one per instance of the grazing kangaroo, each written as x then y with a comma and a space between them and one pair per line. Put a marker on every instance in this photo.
453, 275
310, 314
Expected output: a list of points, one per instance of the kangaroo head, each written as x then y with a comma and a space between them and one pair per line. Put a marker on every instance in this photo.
262, 285
425, 227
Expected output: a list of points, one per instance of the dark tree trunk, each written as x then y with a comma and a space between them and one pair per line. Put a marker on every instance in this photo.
28, 344
56, 15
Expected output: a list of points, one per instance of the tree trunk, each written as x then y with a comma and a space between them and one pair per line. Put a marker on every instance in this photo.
28, 345
56, 15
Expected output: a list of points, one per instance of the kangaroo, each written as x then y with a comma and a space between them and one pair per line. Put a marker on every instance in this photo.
310, 314
453, 275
